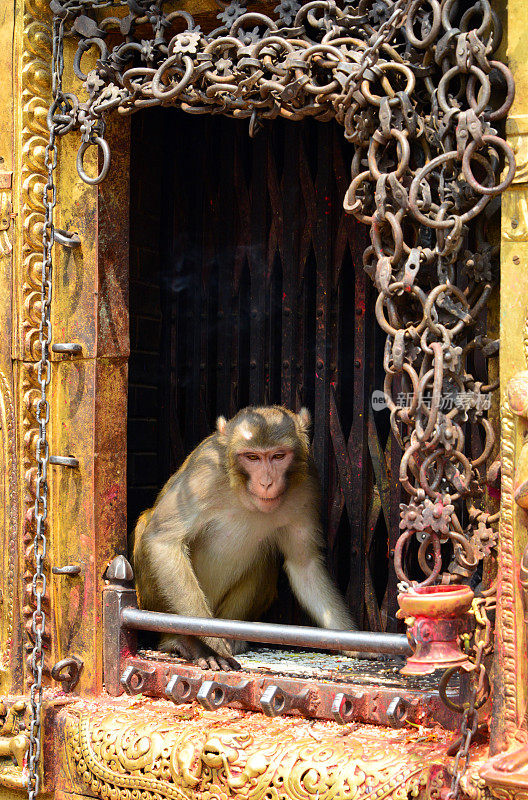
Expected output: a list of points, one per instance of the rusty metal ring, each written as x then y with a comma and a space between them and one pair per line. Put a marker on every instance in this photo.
133, 72
447, 5
431, 485
437, 373
278, 44
253, 18
83, 47
404, 156
405, 465
221, 44
432, 297
423, 552
452, 155
397, 235
103, 144
351, 203
462, 480
393, 101
176, 89
422, 44
67, 672
387, 390
442, 691
488, 444
466, 165
321, 49
385, 295
469, 559
398, 553
444, 83
500, 112
484, 26
324, 5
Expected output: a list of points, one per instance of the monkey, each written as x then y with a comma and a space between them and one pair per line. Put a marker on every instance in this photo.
245, 498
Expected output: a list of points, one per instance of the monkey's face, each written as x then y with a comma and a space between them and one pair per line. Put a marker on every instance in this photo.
267, 476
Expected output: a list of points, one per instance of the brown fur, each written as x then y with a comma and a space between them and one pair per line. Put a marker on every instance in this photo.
205, 550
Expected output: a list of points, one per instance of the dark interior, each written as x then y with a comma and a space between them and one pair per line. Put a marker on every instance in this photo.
247, 287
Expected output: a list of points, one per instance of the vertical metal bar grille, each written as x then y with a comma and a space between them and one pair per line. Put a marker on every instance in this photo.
262, 298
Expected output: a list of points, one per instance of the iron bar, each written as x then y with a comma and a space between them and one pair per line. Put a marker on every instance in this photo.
266, 633
70, 348
64, 461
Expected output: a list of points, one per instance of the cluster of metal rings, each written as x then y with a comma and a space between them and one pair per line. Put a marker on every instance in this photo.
416, 88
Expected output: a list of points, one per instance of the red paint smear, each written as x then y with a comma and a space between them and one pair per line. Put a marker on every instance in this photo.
493, 492
113, 493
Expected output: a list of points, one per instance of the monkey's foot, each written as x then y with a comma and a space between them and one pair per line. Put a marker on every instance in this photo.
199, 653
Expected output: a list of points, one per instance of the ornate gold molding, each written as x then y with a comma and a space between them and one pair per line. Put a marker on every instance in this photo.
8, 453
35, 61
506, 600
186, 754
34, 78
8, 559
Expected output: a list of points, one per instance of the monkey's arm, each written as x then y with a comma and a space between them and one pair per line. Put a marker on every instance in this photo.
166, 582
310, 582
312, 585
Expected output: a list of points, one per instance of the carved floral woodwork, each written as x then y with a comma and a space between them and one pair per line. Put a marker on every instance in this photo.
9, 499
150, 749
35, 82
509, 702
8, 469
13, 745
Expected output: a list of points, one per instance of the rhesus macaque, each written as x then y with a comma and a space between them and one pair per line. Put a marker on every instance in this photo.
210, 547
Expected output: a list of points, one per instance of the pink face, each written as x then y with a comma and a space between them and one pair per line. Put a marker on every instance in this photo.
266, 471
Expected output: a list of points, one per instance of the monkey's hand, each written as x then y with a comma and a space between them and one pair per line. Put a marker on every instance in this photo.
367, 656
206, 653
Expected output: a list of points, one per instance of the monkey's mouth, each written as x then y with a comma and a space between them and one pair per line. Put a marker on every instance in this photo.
269, 500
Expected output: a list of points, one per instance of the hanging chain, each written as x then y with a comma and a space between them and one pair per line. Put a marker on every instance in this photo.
478, 689
382, 36
38, 624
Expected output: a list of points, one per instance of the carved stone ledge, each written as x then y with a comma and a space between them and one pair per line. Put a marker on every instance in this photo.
150, 749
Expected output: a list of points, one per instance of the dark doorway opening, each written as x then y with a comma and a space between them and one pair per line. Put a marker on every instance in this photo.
247, 287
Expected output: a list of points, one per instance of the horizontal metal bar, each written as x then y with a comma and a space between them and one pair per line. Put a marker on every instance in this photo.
65, 238
266, 633
69, 569
70, 348
64, 461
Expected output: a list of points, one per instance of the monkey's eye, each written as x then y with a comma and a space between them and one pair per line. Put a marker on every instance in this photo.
279, 456
252, 456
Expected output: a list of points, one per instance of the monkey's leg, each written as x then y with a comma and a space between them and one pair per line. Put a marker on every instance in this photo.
168, 566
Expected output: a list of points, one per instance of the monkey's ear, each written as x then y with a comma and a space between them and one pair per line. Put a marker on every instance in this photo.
305, 419
221, 423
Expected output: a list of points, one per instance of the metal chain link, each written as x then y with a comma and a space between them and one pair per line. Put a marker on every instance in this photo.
469, 724
38, 624
383, 35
